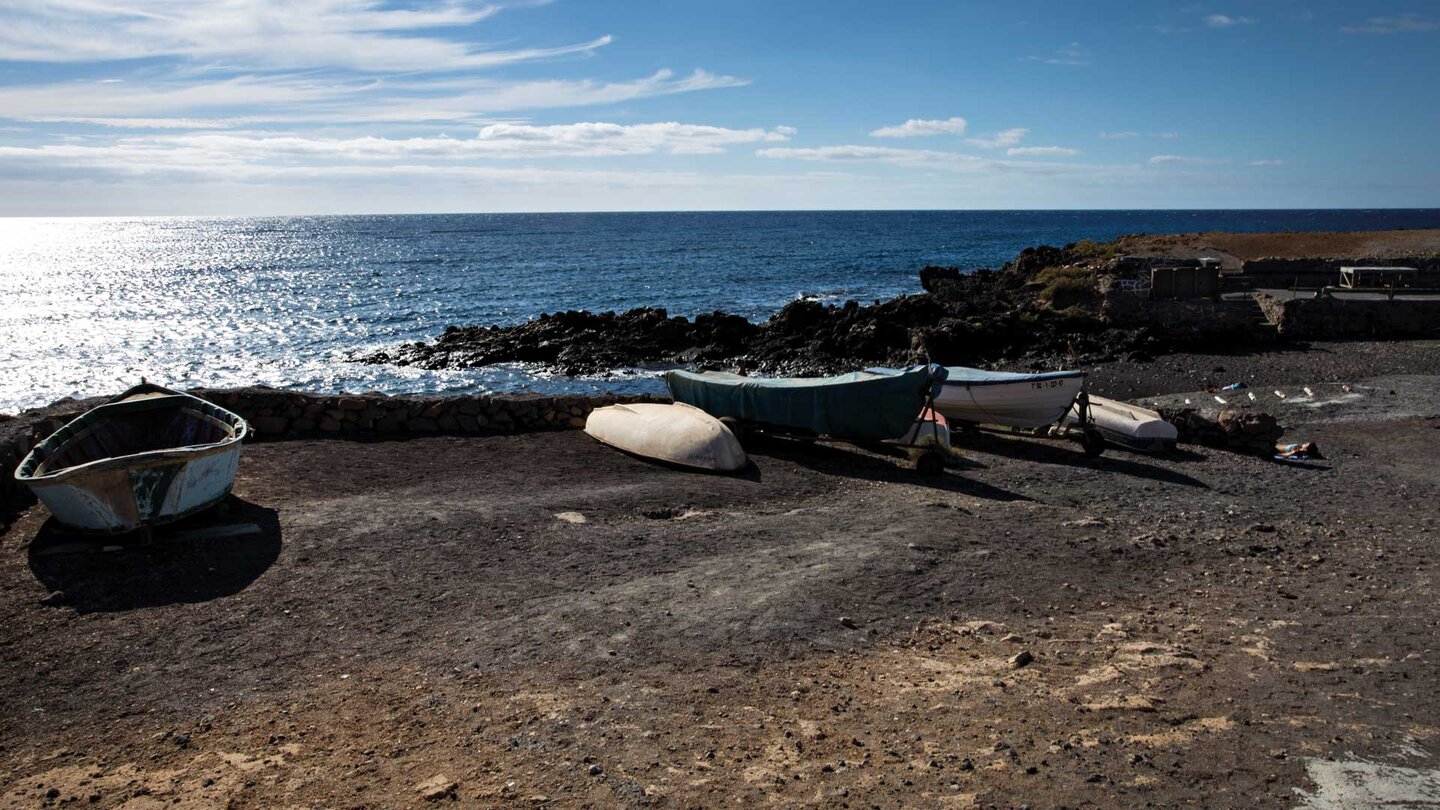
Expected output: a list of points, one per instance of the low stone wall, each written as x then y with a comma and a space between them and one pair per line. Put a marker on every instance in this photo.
276, 414
1285, 273
1188, 319
1340, 317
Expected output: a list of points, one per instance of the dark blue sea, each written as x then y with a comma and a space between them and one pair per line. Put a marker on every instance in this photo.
87, 306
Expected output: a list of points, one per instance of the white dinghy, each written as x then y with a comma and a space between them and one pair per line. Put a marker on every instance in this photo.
1008, 399
676, 434
1129, 426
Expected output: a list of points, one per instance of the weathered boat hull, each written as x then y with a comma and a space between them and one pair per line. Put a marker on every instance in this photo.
1129, 426
87, 480
675, 434
1009, 400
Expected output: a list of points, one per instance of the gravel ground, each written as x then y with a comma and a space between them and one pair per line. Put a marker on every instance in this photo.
538, 620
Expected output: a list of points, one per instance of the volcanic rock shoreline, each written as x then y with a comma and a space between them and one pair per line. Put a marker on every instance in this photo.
1047, 308
983, 317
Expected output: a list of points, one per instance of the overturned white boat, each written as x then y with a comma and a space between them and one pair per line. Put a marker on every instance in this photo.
676, 434
1129, 426
147, 457
1008, 399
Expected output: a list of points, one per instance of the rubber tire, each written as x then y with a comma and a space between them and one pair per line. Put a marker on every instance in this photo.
1093, 443
930, 464
735, 427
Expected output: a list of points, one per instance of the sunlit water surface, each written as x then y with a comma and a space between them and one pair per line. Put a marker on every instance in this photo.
88, 306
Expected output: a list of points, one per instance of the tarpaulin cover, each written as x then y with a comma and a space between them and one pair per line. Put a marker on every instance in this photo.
858, 405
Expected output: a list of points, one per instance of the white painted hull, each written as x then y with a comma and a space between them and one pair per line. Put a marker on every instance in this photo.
676, 434
160, 477
1019, 404
1128, 426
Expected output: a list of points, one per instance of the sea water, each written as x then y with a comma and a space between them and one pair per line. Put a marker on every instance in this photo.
89, 306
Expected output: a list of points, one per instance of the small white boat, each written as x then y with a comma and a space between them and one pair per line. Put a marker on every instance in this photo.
1008, 399
677, 434
1129, 426
147, 457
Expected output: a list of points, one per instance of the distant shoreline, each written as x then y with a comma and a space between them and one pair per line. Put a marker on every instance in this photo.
736, 211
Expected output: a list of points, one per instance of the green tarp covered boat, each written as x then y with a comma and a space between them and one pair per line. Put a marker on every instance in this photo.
859, 405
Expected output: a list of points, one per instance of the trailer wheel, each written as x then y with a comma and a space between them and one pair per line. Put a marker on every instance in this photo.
930, 463
735, 428
1093, 443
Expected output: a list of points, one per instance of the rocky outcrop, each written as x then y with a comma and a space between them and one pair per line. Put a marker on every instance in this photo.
1015, 314
1238, 430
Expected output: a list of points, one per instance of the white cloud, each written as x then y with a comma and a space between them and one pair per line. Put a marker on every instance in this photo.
1269, 163
884, 154
365, 35
1070, 55
1040, 151
942, 160
231, 155
1121, 136
250, 100
1407, 23
918, 127
1226, 21
1004, 138
1159, 160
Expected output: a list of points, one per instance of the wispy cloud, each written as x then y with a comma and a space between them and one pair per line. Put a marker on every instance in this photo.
1269, 163
231, 155
1226, 21
1160, 160
1041, 151
245, 101
1071, 55
939, 160
919, 127
1121, 136
1001, 139
1406, 23
884, 154
365, 35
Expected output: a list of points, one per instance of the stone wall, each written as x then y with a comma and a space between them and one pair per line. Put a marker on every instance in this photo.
1313, 273
276, 414
1340, 317
1222, 321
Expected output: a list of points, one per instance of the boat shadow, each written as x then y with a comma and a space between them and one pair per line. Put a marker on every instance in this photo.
870, 461
1068, 454
211, 555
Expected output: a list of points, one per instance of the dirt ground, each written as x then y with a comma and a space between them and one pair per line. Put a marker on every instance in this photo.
1420, 242
540, 621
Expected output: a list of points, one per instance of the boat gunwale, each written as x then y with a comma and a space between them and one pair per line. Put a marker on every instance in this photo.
240, 430
1019, 379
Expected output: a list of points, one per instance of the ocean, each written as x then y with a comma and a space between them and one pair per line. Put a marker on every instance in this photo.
89, 306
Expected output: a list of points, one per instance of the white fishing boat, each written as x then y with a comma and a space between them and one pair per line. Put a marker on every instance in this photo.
1008, 399
676, 434
1129, 426
147, 457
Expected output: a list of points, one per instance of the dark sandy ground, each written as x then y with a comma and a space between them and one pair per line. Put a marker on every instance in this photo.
539, 621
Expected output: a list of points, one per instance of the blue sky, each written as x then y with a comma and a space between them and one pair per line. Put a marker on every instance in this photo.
363, 106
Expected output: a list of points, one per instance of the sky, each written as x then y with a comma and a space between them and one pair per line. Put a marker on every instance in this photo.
260, 107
